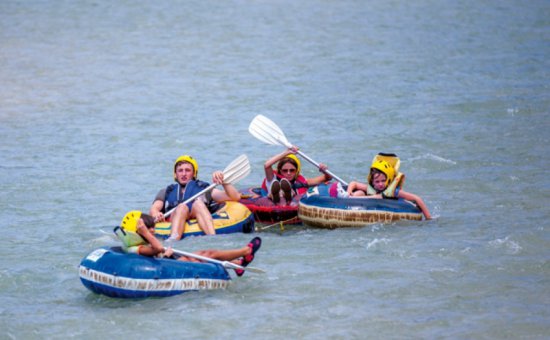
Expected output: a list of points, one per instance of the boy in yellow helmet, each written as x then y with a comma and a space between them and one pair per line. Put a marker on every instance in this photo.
139, 238
186, 170
287, 181
381, 184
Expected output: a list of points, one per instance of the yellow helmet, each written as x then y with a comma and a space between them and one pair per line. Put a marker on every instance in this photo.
188, 159
297, 161
385, 168
130, 220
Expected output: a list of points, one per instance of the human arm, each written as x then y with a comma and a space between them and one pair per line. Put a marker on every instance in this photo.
158, 206
354, 186
321, 178
416, 199
229, 193
156, 211
154, 246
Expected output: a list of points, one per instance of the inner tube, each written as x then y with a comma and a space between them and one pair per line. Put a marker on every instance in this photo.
318, 209
233, 217
265, 211
112, 272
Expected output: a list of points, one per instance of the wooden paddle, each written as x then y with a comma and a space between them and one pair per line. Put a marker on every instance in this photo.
234, 172
268, 132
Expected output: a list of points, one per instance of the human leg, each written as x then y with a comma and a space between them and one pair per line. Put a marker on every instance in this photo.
342, 193
241, 256
254, 245
204, 217
178, 221
359, 193
286, 187
225, 255
275, 191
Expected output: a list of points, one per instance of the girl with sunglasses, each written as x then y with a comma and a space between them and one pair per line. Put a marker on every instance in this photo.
286, 184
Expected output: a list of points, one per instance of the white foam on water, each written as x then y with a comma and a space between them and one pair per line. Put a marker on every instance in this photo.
432, 157
511, 247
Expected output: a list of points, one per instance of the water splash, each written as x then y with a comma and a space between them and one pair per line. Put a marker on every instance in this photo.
377, 241
433, 157
511, 247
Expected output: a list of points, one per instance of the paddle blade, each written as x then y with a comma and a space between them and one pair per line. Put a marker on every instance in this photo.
267, 131
255, 270
231, 265
237, 170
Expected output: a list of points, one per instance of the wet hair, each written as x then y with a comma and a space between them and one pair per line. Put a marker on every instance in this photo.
373, 172
285, 160
148, 220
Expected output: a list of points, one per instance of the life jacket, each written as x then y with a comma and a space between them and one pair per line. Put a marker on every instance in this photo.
392, 190
299, 185
129, 239
173, 195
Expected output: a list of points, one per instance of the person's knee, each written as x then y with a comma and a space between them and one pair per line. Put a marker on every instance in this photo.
207, 253
182, 209
199, 207
181, 214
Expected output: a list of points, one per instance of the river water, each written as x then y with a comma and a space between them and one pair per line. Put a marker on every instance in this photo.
98, 98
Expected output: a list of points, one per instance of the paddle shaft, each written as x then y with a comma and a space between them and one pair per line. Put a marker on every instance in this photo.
226, 264
268, 132
309, 159
190, 199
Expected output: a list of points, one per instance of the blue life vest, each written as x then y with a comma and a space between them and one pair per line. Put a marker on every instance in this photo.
173, 195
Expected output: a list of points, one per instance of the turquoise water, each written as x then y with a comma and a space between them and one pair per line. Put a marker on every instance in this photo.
97, 99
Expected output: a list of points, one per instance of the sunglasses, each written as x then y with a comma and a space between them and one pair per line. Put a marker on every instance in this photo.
288, 170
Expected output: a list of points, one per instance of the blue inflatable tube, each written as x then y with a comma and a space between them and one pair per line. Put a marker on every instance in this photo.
114, 273
319, 209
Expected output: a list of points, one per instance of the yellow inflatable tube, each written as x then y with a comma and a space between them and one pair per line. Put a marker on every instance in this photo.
233, 217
